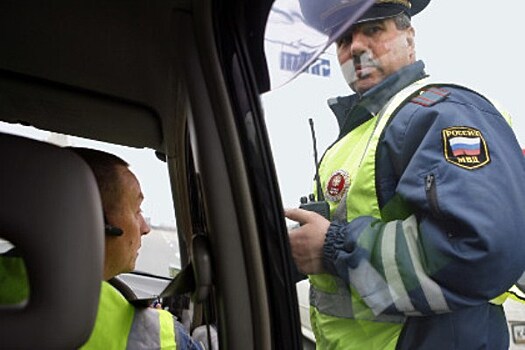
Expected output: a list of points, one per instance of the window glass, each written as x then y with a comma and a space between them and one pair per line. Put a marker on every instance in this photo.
298, 31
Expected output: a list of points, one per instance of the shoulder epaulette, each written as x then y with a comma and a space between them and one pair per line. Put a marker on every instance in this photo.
430, 96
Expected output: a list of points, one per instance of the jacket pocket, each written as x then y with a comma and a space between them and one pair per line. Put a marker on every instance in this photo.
432, 197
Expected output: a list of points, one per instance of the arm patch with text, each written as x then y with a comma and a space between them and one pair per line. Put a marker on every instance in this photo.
465, 147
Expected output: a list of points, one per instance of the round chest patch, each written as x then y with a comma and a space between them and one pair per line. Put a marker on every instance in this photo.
337, 185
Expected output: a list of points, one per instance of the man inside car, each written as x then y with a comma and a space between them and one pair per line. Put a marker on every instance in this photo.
119, 324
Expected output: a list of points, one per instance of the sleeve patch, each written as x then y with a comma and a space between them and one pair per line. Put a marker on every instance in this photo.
430, 96
465, 147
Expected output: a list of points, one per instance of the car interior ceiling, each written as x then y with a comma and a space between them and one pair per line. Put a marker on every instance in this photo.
101, 72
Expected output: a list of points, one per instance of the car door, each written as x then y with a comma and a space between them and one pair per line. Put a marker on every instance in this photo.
176, 78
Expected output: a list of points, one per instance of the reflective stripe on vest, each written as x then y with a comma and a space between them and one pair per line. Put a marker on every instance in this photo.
514, 293
119, 325
517, 293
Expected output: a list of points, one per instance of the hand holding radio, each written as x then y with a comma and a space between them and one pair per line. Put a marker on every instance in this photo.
313, 216
307, 241
319, 205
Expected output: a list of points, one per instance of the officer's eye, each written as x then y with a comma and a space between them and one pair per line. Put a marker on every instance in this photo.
345, 40
372, 29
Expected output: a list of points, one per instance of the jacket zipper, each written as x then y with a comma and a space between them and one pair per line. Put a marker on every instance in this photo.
430, 189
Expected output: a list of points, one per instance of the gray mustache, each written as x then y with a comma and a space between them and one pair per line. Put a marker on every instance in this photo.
364, 60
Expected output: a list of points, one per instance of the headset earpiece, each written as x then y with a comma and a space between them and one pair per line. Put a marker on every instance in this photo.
111, 230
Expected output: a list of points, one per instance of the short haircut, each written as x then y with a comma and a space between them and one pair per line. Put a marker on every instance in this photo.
105, 168
402, 21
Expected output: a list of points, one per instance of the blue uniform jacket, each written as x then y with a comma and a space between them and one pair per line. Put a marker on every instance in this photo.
470, 211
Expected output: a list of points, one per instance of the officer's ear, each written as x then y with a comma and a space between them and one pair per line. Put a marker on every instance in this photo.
411, 46
410, 37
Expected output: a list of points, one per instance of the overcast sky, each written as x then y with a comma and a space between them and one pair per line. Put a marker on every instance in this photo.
471, 42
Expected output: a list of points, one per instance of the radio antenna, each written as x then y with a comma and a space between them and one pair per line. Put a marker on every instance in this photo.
320, 196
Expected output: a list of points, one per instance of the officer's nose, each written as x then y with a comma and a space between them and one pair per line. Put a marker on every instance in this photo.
359, 44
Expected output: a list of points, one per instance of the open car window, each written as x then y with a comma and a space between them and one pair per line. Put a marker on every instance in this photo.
159, 254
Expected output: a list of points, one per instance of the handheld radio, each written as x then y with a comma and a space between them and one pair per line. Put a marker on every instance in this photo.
320, 206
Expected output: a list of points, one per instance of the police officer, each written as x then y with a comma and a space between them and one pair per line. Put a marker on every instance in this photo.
424, 185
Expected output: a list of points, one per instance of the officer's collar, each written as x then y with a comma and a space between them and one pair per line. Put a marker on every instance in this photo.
375, 98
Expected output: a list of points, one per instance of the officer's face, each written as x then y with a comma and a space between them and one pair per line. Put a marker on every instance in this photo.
122, 251
372, 51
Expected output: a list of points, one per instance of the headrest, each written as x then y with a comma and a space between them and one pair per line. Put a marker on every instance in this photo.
51, 211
